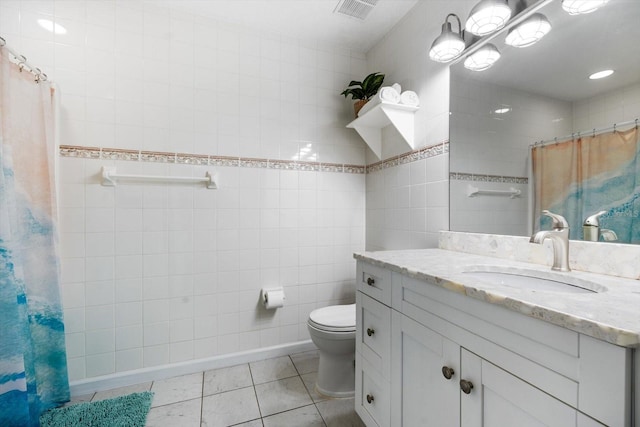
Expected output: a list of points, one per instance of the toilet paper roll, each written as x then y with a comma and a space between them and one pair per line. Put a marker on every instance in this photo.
273, 298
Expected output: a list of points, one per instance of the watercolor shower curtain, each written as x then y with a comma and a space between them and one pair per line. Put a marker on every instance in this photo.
33, 367
581, 177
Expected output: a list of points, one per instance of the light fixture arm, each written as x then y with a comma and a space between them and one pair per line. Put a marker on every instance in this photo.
446, 20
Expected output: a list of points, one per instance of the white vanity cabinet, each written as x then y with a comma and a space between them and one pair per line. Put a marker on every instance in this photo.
517, 370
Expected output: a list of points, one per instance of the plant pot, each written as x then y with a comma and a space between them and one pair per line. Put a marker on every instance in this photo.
358, 105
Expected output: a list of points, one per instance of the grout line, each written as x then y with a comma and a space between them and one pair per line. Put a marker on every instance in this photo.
308, 392
253, 383
202, 398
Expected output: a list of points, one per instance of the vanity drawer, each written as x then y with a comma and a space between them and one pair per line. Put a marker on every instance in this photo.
374, 281
372, 395
373, 333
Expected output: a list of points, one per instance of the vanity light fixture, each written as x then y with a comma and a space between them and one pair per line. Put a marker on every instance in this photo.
482, 58
449, 45
488, 16
52, 26
601, 74
529, 31
579, 7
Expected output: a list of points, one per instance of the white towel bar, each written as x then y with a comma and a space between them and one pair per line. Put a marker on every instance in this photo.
475, 191
110, 178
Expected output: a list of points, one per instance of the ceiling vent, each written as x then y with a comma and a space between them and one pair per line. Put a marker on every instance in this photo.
358, 9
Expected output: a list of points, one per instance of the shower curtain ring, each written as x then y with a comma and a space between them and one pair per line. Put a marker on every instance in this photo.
594, 133
614, 127
3, 42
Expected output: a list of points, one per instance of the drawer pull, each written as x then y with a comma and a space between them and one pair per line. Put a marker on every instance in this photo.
370, 281
466, 386
447, 372
369, 398
370, 331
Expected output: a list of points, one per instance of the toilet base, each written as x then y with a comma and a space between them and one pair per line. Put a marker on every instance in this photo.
336, 375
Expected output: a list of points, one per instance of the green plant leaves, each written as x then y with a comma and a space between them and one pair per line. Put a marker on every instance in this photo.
367, 88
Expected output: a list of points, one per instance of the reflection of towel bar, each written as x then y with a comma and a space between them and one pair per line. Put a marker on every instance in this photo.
475, 191
110, 178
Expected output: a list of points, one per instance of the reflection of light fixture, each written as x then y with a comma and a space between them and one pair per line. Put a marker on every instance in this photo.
448, 45
529, 31
577, 7
503, 110
482, 58
488, 16
601, 74
52, 26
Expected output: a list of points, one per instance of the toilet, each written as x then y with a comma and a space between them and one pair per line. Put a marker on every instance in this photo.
333, 331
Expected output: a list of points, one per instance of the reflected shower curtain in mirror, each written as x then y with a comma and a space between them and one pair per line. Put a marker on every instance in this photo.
581, 177
33, 367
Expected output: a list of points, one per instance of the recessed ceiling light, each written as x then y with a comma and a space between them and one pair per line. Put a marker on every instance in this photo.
502, 110
52, 26
601, 74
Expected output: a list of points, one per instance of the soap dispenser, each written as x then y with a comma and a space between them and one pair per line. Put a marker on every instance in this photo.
591, 227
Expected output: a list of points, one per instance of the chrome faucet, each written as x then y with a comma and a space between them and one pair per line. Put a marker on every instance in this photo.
559, 235
608, 235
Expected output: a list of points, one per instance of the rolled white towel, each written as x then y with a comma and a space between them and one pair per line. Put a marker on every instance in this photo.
388, 94
397, 87
385, 94
409, 97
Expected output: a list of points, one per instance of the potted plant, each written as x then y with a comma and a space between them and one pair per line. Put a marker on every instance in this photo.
364, 90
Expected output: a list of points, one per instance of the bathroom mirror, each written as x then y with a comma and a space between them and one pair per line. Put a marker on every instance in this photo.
531, 94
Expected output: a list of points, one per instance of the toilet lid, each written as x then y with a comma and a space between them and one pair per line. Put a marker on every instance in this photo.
334, 318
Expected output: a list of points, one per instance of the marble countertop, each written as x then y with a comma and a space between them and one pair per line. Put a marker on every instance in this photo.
611, 314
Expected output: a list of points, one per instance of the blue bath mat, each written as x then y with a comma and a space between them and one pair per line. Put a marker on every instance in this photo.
124, 411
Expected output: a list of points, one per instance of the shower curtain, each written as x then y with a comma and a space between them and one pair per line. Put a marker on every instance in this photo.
579, 178
33, 367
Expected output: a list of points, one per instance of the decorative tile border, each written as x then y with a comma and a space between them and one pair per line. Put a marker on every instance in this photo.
201, 159
460, 176
249, 162
410, 157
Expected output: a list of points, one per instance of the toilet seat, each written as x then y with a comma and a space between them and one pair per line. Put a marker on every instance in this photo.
335, 318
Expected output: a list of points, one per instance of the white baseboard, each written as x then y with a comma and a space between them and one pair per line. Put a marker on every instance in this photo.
122, 379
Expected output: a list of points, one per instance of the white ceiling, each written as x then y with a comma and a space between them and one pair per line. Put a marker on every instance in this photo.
305, 19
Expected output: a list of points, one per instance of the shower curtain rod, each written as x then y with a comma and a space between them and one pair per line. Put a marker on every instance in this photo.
592, 132
22, 62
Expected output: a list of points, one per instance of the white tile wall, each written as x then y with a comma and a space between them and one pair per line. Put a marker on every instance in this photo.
602, 111
155, 274
184, 280
408, 204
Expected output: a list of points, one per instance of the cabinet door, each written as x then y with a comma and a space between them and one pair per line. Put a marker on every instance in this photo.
421, 394
500, 399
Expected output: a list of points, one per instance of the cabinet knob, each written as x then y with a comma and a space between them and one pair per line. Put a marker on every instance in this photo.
370, 281
448, 372
369, 398
466, 386
370, 331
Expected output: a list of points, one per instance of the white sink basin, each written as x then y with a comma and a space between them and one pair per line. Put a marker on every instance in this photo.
534, 280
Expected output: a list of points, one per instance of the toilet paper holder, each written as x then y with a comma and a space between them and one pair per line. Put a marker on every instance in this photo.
272, 297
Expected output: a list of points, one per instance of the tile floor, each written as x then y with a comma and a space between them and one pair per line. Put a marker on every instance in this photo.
269, 393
